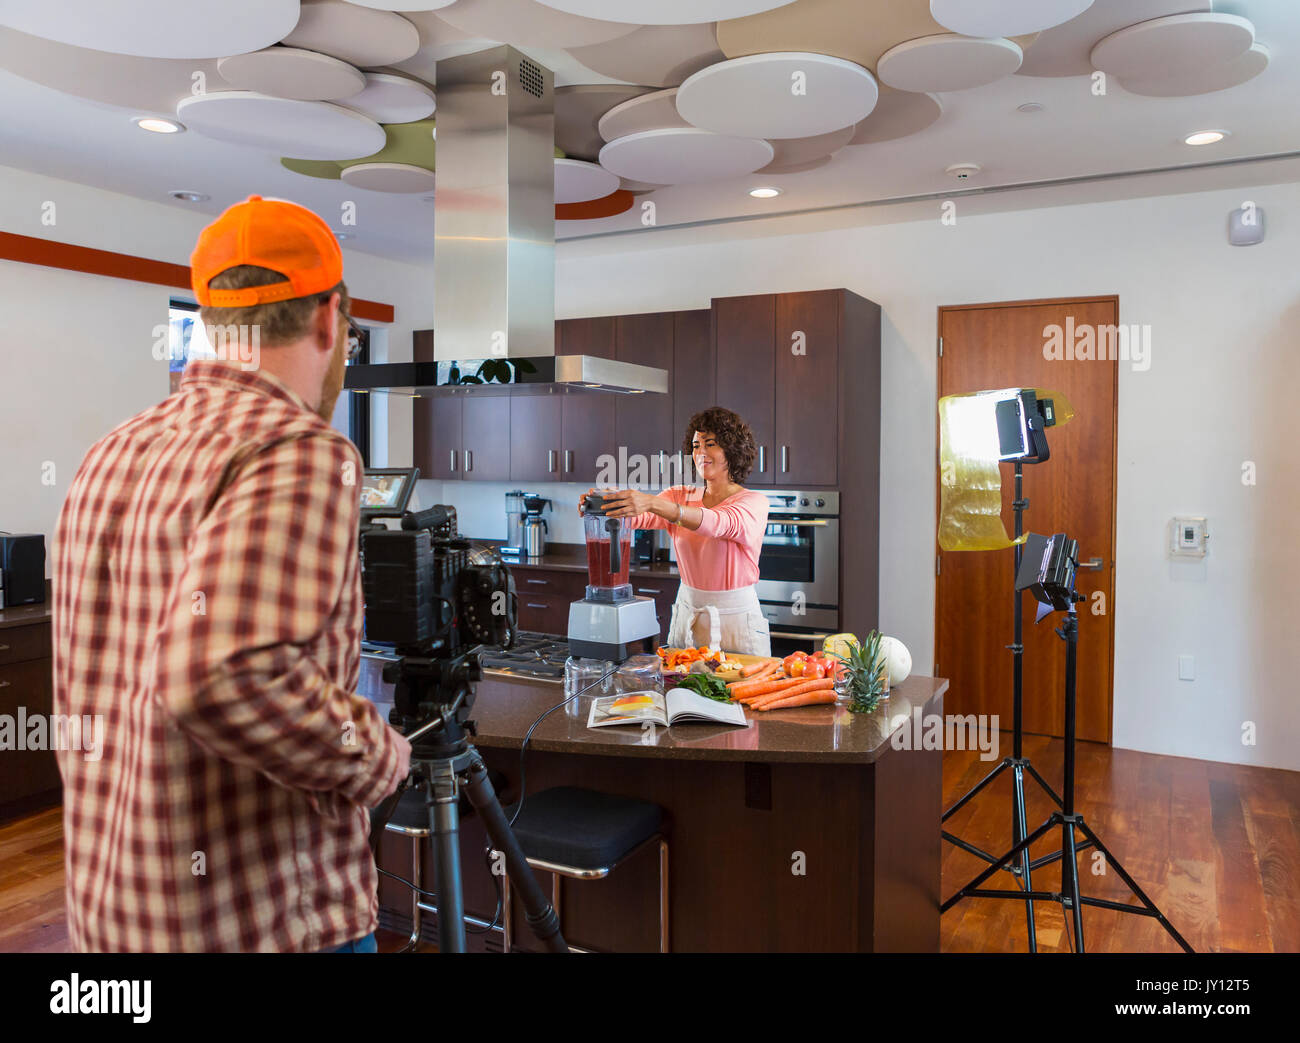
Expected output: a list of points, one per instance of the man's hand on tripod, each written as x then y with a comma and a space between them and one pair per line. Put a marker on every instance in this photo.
403, 758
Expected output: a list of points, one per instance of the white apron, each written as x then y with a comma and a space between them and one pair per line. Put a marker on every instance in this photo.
731, 620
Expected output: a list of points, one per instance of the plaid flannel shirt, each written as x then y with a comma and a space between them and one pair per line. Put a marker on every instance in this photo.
207, 603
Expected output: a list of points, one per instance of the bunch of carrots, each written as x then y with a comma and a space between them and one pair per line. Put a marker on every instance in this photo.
764, 686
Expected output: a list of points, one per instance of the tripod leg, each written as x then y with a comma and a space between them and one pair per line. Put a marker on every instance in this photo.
1024, 844
444, 825
975, 789
539, 913
1019, 827
1070, 882
1115, 864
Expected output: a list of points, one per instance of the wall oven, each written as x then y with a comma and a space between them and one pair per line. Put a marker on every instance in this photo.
799, 569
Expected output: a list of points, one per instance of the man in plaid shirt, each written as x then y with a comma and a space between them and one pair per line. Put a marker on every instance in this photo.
207, 603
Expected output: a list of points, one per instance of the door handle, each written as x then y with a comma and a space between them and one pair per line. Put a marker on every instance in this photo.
762, 459
799, 637
568, 460
1091, 563
453, 458
469, 461
785, 459
533, 604
550, 461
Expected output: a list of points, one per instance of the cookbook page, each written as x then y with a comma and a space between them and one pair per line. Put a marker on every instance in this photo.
632, 708
684, 705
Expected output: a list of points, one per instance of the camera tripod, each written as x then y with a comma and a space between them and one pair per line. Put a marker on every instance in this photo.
1017, 763
432, 702
1069, 821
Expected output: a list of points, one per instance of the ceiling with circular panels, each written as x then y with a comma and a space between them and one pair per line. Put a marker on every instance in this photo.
650, 94
290, 72
664, 12
682, 155
1004, 17
778, 95
156, 28
358, 35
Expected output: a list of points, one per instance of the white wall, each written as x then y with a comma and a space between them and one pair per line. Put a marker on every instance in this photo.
76, 356
1219, 392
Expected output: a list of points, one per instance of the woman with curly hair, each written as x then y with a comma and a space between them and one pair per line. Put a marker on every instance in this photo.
717, 532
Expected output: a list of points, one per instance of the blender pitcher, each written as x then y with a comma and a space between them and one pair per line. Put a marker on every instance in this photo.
609, 552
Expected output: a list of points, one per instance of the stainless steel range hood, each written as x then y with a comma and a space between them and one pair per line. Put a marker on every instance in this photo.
494, 234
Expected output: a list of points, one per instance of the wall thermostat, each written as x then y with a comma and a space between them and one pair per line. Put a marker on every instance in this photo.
1188, 537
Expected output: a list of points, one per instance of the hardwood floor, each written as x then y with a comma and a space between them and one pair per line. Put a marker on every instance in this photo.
1216, 846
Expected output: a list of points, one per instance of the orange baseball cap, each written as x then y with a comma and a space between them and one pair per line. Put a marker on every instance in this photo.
270, 233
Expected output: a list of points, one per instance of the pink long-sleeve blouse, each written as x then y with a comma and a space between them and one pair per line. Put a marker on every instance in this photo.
722, 554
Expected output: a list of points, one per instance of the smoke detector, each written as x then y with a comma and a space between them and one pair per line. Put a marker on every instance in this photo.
963, 171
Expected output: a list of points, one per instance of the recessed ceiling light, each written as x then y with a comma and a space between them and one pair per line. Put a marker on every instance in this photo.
343, 235
1030, 106
764, 193
188, 196
1205, 137
158, 125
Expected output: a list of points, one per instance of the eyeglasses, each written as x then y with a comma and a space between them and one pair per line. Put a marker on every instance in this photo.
356, 339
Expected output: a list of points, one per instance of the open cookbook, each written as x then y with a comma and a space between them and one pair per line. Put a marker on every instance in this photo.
677, 706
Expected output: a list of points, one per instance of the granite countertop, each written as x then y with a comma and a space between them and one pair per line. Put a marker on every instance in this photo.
572, 557
506, 707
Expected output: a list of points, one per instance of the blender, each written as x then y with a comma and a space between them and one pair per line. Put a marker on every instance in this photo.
610, 623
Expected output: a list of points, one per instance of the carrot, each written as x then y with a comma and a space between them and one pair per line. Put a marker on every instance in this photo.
764, 687
754, 668
818, 696
764, 673
798, 688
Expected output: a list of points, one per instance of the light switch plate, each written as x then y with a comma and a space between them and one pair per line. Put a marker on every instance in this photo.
1186, 668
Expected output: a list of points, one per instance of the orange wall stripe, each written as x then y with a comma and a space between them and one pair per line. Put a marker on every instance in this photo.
28, 249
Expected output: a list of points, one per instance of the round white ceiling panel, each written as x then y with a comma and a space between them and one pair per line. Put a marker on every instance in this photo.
308, 129
665, 12
403, 5
438, 40
577, 181
577, 111
637, 188
1168, 46
654, 55
1004, 17
784, 94
647, 112
156, 28
388, 177
948, 62
791, 155
681, 155
896, 115
357, 35
1064, 49
1203, 79
144, 84
530, 23
388, 98
289, 72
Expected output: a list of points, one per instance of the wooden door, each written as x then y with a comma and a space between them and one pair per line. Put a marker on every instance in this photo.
590, 336
692, 378
485, 434
643, 423
586, 433
746, 378
436, 422
807, 372
535, 436
1001, 346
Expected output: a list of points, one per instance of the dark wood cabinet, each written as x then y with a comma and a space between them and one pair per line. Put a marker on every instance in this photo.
590, 336
744, 328
586, 434
28, 778
535, 435
437, 422
545, 596
664, 592
692, 377
807, 374
485, 435
643, 423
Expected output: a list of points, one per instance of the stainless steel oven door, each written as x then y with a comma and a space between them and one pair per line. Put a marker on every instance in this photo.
800, 562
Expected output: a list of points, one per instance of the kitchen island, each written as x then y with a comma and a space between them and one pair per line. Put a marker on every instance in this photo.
805, 832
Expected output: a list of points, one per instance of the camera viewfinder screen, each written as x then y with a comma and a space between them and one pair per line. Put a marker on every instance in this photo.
386, 491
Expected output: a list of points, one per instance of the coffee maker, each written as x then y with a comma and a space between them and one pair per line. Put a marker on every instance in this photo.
610, 623
514, 544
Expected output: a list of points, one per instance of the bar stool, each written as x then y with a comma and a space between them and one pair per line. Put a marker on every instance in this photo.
411, 819
585, 835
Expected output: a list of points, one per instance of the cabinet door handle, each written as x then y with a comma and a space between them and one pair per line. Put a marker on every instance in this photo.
568, 460
469, 461
540, 582
647, 590
550, 461
533, 604
453, 458
4, 648
785, 459
4, 684
762, 459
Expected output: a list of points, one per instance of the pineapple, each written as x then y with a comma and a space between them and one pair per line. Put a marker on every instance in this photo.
864, 673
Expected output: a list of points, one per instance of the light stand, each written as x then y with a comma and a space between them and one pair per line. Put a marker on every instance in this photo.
1069, 820
1017, 763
